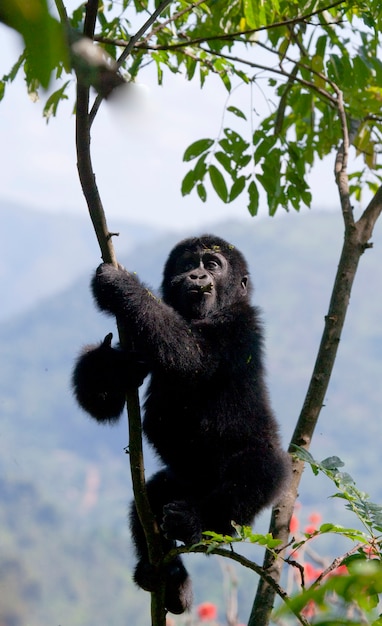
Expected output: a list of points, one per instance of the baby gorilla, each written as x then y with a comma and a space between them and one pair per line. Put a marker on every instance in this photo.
207, 412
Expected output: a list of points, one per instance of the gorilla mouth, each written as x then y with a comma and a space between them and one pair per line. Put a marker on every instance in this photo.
201, 290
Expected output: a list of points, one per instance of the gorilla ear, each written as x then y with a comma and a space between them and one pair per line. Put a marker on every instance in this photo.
244, 282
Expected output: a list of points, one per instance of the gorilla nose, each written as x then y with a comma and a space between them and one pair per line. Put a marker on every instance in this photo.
198, 276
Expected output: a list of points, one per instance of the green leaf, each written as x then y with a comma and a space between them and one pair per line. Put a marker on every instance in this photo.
200, 168
43, 36
244, 160
234, 144
191, 67
332, 462
321, 45
264, 148
225, 161
188, 183
318, 67
283, 47
237, 188
253, 193
305, 456
250, 16
197, 148
218, 182
15, 69
236, 112
201, 192
226, 80
350, 533
54, 100
254, 13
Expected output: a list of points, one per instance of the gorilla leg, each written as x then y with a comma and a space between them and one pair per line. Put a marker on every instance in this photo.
250, 481
161, 489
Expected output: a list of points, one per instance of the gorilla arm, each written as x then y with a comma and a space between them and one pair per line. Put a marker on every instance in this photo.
102, 375
160, 332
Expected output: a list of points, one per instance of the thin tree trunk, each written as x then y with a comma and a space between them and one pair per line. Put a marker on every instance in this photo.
104, 237
357, 236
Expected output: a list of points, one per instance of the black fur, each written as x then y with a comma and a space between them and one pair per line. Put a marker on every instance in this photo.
207, 412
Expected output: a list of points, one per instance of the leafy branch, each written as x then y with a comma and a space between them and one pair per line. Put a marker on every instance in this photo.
358, 502
218, 37
360, 581
213, 546
129, 46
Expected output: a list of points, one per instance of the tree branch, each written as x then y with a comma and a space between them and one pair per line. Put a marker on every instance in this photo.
356, 240
340, 166
129, 46
172, 19
243, 561
236, 36
281, 72
97, 215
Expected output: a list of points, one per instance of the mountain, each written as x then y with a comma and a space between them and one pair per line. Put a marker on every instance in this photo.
65, 480
42, 253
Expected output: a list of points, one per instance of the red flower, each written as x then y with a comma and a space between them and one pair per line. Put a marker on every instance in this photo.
207, 611
311, 573
309, 530
339, 571
315, 519
371, 551
309, 609
294, 524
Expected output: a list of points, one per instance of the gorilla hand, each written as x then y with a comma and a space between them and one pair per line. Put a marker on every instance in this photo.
110, 285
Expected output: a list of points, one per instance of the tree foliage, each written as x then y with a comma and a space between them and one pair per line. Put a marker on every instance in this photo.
317, 61
315, 67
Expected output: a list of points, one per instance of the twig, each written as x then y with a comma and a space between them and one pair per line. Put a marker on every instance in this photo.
340, 165
235, 36
129, 47
336, 563
242, 560
172, 19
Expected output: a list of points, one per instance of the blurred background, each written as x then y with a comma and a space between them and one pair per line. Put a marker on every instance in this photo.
65, 554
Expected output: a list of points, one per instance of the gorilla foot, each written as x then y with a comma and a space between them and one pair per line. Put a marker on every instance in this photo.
146, 576
178, 596
181, 522
178, 592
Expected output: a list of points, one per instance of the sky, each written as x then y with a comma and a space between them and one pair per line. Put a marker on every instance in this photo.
137, 151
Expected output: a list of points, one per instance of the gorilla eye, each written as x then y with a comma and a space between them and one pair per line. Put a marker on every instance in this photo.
188, 265
185, 264
211, 264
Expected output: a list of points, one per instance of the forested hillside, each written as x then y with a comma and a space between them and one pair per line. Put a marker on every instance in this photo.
65, 481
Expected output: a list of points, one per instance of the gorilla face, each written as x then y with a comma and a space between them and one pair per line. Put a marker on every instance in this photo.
202, 275
195, 286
